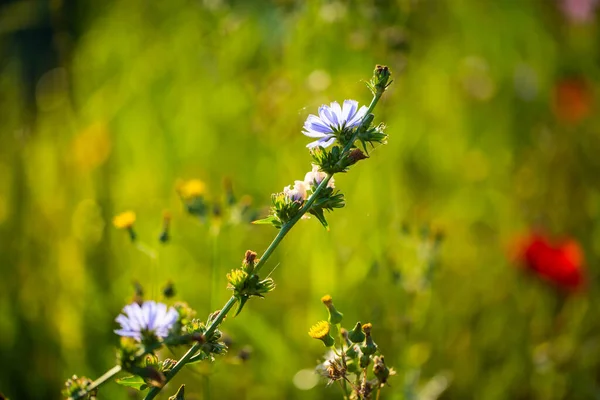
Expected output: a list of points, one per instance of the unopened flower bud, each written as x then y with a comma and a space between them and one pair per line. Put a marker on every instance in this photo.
344, 334
335, 317
369, 347
381, 76
192, 194
320, 331
353, 351
164, 234
229, 196
169, 290
249, 261
76, 385
244, 354
138, 293
355, 156
356, 335
364, 361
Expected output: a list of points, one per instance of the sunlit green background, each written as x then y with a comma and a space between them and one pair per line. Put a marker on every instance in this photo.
106, 105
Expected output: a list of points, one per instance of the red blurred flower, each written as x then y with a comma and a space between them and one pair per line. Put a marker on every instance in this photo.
572, 99
560, 263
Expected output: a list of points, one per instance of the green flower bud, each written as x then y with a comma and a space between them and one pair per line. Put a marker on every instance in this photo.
364, 361
335, 317
381, 76
164, 236
369, 347
356, 335
352, 366
169, 290
76, 385
320, 331
353, 352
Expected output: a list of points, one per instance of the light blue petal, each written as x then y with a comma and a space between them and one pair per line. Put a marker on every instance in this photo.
327, 143
326, 115
316, 124
349, 109
313, 134
357, 118
336, 112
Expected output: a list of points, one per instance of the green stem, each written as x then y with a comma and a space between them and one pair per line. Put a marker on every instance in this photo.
289, 225
342, 342
350, 143
195, 348
108, 375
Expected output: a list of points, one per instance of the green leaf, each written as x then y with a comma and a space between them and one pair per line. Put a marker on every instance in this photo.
318, 212
241, 302
179, 394
270, 220
133, 381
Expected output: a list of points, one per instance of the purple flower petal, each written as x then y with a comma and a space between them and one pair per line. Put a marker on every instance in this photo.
314, 123
357, 118
151, 316
326, 116
336, 111
349, 109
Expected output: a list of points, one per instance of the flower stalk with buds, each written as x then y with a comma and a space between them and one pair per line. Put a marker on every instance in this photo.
338, 129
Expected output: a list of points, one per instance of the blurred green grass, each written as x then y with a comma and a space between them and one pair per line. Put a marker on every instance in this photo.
119, 100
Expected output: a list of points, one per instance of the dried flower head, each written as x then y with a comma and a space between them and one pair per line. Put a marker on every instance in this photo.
335, 369
381, 371
249, 261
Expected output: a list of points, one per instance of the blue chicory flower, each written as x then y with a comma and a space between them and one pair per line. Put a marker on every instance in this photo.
331, 121
150, 317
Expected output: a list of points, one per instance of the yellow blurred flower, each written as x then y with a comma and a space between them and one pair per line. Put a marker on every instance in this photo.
190, 189
91, 147
125, 220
